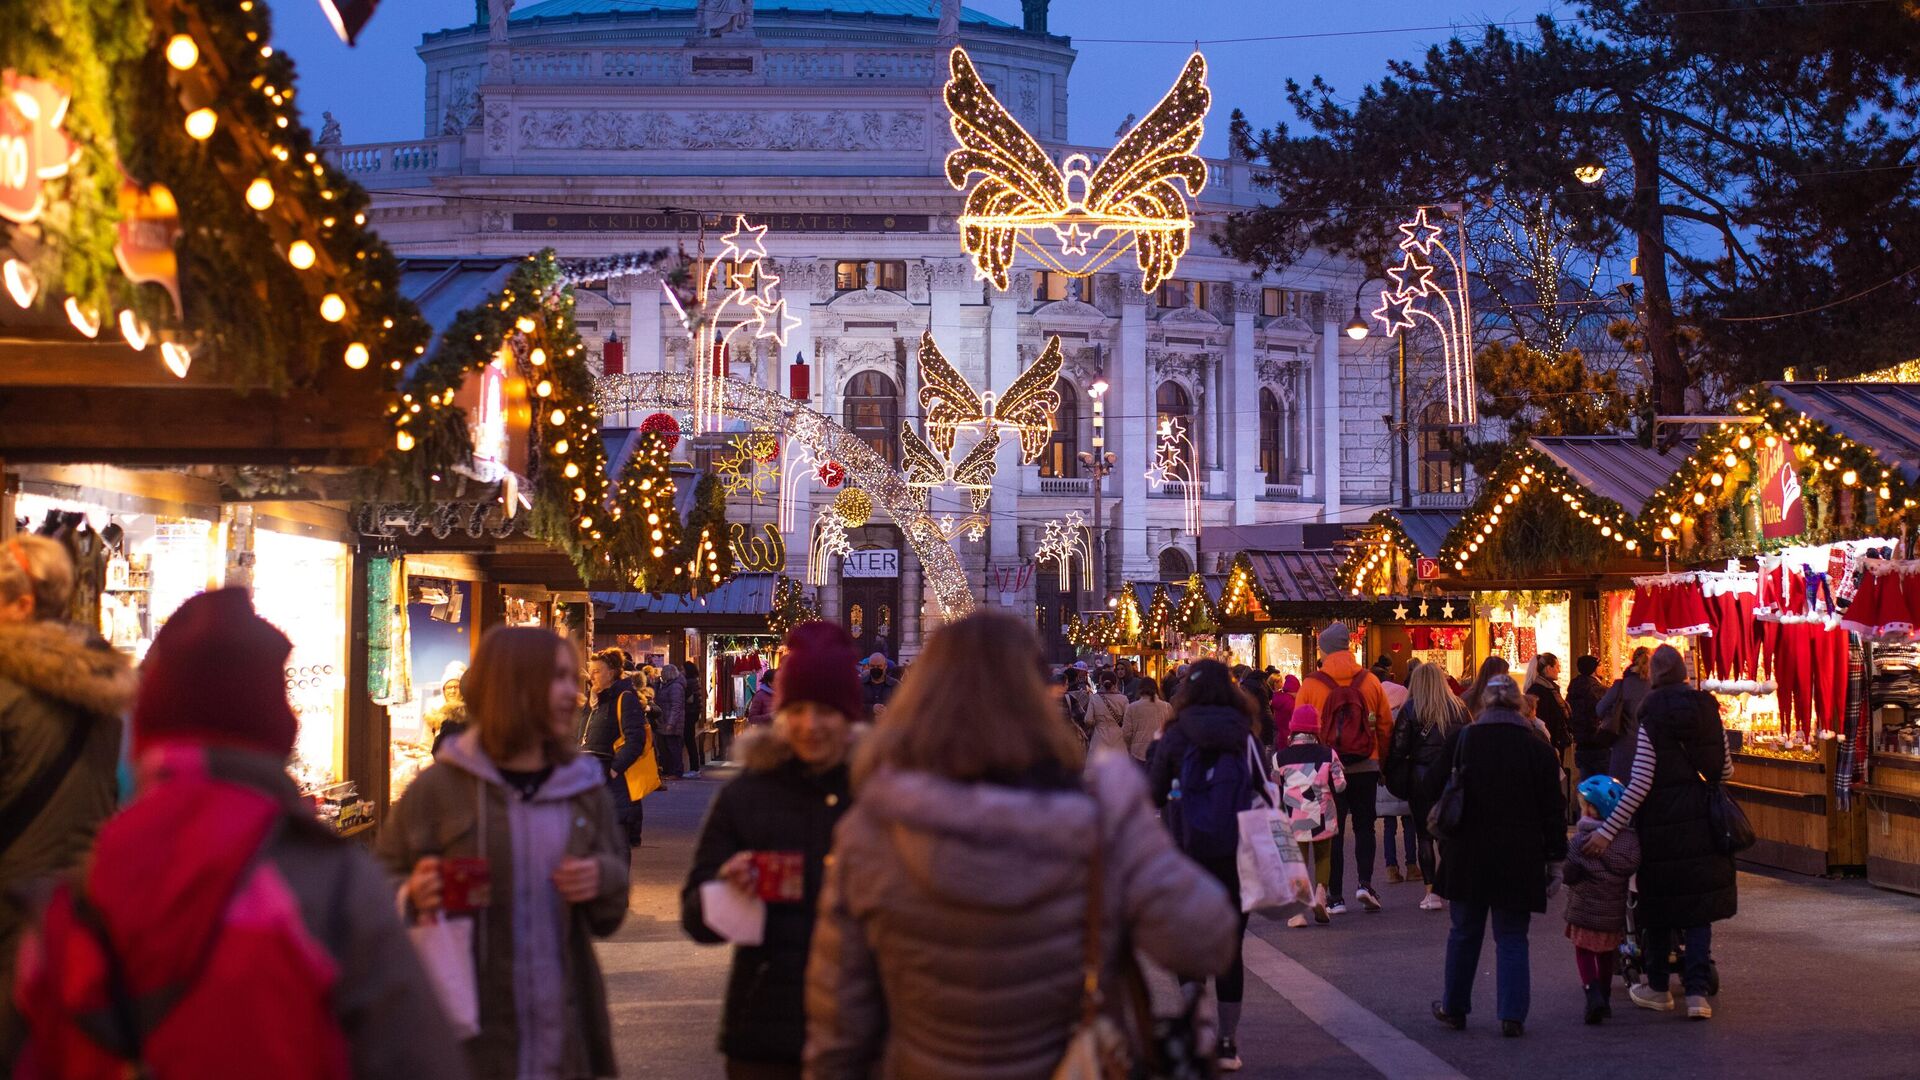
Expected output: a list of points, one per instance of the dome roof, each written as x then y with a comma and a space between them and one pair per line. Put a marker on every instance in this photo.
911, 9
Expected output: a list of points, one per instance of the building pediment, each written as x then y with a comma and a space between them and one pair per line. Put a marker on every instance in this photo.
1190, 316
1288, 328
872, 304
1074, 313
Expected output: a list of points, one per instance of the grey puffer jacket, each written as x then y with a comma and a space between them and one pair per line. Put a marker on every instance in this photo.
1597, 887
953, 922
54, 679
670, 697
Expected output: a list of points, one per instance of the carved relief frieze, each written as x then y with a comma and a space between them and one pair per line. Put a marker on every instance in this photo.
841, 131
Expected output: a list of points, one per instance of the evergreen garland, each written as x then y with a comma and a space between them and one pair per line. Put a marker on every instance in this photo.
1532, 517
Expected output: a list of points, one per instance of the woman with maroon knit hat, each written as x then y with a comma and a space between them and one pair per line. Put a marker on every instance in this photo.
768, 834
257, 942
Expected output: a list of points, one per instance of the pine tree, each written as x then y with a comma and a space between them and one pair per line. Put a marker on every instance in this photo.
646, 541
706, 553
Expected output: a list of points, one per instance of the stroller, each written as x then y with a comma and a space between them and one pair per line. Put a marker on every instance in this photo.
1633, 950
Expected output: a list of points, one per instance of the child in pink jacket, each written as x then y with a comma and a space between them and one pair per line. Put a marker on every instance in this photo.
1308, 775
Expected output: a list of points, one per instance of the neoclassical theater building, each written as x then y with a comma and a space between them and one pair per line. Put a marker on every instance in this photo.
612, 127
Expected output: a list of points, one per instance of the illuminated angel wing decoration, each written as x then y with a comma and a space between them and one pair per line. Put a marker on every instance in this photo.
947, 400
1136, 180
1017, 175
976, 469
923, 465
1031, 402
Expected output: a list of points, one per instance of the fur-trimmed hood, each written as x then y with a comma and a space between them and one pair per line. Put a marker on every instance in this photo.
764, 749
67, 664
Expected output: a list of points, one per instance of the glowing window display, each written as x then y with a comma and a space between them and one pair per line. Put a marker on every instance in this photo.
300, 586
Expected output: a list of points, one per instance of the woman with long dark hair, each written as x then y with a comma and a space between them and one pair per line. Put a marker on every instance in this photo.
1209, 766
1477, 691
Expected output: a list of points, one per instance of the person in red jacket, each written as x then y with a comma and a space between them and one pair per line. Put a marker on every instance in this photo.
1356, 720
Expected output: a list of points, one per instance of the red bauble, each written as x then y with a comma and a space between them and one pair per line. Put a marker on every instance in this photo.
665, 426
831, 474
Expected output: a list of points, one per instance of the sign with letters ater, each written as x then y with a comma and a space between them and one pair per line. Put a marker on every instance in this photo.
871, 563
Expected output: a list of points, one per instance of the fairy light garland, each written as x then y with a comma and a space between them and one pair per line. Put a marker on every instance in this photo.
1243, 596
1375, 562
1196, 615
1130, 201
646, 524
1530, 486
1706, 510
790, 607
1158, 622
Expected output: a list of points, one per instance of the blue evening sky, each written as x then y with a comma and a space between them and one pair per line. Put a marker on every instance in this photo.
375, 88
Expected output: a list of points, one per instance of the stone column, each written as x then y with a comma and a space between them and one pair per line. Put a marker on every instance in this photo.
1002, 367
907, 619
830, 591
646, 344
1243, 417
1130, 433
1330, 416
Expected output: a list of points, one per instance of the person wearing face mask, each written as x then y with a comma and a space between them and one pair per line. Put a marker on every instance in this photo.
768, 834
513, 828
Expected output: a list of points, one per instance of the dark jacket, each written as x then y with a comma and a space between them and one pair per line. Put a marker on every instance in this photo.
55, 680
1551, 708
616, 712
1255, 684
1215, 728
1683, 881
572, 812
1515, 819
1630, 691
1597, 888
670, 698
877, 694
774, 804
1424, 745
1583, 715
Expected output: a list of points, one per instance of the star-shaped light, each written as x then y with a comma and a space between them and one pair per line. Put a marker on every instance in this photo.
1446, 610
1419, 234
1412, 277
1423, 607
745, 241
773, 321
1073, 239
1400, 613
1395, 312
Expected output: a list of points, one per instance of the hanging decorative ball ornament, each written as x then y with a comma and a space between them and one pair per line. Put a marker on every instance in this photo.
854, 506
764, 446
831, 474
665, 426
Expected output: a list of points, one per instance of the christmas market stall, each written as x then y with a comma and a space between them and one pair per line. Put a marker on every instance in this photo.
1799, 509
1275, 602
201, 340
1395, 560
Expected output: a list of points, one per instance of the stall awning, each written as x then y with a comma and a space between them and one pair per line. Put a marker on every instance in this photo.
1427, 529
744, 595
443, 287
1301, 576
1616, 467
1883, 417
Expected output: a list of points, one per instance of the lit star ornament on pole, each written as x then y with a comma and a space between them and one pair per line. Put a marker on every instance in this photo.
1173, 464
1449, 309
743, 288
1093, 214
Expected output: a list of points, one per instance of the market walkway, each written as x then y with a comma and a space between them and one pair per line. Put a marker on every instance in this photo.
1820, 979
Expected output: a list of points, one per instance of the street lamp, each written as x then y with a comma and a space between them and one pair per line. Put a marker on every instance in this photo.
1357, 329
1098, 464
1589, 172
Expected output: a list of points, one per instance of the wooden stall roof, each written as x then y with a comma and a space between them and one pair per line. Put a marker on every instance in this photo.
1615, 466
1427, 529
1882, 416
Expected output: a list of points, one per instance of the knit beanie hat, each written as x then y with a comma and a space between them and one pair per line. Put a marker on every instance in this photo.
216, 674
1335, 638
1291, 684
1306, 720
822, 667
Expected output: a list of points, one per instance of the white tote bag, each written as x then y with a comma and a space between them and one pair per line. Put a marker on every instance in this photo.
1273, 873
445, 949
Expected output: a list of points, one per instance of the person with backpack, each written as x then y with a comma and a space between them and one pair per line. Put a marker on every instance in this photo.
1355, 721
1208, 768
1310, 779
62, 694
1416, 765
220, 929
512, 832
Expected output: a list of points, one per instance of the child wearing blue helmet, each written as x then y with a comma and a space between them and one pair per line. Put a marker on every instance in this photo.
1597, 894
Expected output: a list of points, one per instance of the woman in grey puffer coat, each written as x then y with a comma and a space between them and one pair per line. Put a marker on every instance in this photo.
953, 920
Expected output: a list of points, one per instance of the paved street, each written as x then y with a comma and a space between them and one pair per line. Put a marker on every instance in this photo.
1820, 978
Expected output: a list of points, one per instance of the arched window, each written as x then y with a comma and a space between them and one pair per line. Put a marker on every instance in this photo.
873, 412
1174, 565
1171, 402
1059, 458
1439, 470
1273, 463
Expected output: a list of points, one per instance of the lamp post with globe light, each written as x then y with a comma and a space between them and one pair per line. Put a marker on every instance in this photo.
1358, 330
1099, 463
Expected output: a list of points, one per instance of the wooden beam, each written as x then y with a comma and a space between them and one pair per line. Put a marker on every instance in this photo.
182, 426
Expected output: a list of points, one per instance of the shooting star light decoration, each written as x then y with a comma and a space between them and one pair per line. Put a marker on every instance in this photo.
750, 298
1414, 280
829, 539
1094, 214
1061, 543
1173, 464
